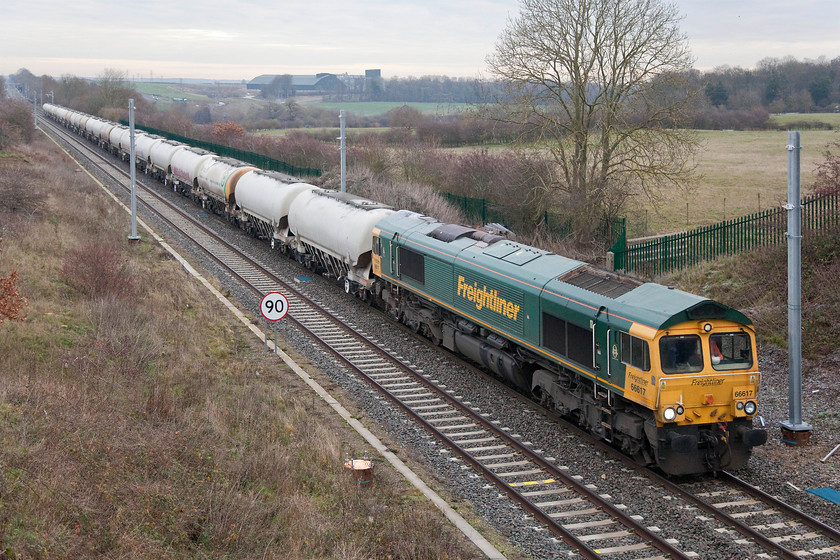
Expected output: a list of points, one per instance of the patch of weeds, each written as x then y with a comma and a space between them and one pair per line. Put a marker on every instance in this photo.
218, 348
38, 345
67, 342
23, 541
97, 270
8, 414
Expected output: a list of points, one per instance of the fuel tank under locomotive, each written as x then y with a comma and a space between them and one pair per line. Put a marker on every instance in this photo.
483, 352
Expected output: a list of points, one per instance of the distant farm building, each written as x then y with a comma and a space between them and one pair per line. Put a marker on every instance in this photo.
288, 85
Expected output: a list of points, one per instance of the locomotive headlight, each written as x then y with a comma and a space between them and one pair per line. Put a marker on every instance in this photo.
670, 414
739, 405
680, 410
750, 407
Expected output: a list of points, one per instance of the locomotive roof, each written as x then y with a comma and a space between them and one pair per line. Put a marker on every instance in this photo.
590, 289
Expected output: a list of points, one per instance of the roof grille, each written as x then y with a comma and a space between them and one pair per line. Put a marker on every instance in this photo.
600, 282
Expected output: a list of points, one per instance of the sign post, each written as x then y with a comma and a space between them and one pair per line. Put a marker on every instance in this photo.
273, 307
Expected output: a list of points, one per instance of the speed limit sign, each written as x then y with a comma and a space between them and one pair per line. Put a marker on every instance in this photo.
274, 306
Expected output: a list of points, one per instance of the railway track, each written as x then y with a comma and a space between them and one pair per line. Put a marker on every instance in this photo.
571, 509
575, 512
752, 515
752, 521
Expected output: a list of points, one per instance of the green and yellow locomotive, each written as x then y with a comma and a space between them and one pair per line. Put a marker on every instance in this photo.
668, 377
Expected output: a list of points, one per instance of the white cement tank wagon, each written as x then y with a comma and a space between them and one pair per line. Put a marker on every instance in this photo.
334, 232
263, 199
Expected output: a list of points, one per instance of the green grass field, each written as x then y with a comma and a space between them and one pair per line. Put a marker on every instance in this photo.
167, 91
830, 118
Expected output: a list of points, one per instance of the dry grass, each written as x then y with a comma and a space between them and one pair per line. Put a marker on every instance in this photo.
133, 424
739, 172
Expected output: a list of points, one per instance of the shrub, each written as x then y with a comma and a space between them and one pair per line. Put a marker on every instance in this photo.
725, 119
16, 124
11, 302
97, 270
18, 194
828, 172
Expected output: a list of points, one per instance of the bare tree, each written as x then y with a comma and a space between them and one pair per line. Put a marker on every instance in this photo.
112, 87
281, 87
601, 84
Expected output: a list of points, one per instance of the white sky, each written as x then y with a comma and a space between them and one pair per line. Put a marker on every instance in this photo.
240, 39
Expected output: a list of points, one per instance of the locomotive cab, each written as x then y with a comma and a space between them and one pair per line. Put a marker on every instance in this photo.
706, 379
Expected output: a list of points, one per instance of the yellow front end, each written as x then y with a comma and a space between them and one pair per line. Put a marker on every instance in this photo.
706, 376
707, 373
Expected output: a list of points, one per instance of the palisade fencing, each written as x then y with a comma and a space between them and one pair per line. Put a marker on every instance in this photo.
679, 250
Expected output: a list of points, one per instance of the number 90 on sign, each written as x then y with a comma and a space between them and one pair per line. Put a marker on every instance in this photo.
274, 306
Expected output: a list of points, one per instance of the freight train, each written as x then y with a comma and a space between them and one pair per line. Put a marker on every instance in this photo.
668, 377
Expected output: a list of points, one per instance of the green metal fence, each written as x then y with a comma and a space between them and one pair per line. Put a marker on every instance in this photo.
671, 252
482, 211
258, 160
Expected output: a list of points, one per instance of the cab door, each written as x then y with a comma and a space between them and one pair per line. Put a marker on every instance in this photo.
615, 367
601, 347
394, 250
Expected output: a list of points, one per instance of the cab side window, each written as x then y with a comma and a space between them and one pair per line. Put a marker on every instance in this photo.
635, 352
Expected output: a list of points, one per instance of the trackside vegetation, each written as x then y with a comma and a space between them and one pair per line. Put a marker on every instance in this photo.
138, 420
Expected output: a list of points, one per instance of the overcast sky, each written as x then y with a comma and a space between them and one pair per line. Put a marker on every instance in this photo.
240, 39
